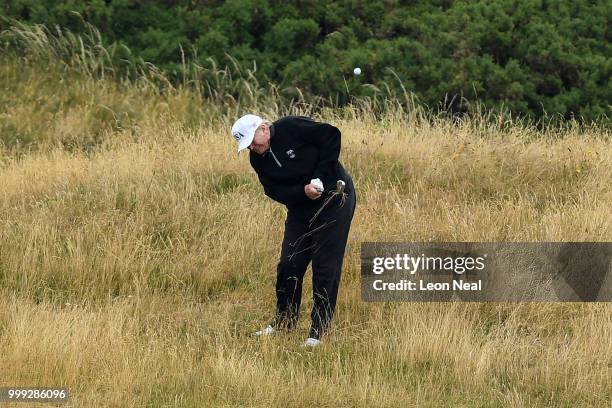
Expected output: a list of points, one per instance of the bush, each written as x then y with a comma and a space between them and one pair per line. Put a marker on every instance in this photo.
532, 57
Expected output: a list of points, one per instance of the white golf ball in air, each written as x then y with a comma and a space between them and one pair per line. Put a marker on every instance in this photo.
357, 71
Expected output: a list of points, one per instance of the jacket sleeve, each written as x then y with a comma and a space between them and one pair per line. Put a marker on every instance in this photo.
327, 138
287, 195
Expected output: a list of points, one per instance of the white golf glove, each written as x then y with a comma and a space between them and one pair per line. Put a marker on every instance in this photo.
318, 184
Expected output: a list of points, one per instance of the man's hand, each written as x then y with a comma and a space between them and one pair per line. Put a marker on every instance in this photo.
311, 191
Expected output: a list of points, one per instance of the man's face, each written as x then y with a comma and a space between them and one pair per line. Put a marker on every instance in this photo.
261, 140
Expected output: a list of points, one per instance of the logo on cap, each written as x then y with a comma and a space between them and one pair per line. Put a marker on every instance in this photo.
238, 136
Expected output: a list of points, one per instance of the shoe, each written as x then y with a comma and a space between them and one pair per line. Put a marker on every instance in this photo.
311, 342
265, 332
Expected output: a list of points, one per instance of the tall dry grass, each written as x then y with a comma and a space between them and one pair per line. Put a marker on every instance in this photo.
137, 252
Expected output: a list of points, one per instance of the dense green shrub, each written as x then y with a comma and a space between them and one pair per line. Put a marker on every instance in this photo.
531, 57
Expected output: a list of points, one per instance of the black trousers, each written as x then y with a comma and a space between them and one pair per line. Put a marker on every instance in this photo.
323, 243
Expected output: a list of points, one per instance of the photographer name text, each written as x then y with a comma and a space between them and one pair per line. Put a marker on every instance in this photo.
420, 285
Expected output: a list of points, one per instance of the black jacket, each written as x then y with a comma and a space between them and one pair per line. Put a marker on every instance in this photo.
300, 150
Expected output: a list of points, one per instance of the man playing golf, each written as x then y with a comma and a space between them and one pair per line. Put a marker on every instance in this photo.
296, 161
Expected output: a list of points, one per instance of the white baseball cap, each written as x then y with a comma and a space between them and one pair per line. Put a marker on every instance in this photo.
244, 130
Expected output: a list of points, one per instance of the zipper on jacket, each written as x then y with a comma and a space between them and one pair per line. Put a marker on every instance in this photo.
275, 159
